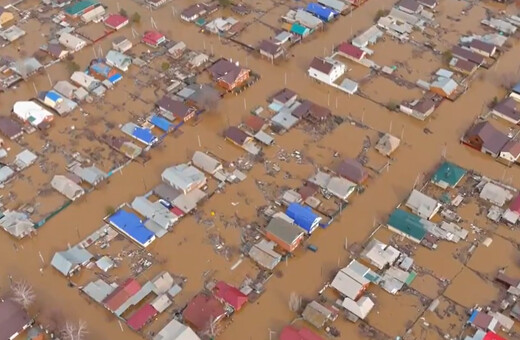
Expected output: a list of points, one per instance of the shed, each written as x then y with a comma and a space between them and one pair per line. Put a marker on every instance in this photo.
16, 223
352, 170
379, 254
387, 144
318, 315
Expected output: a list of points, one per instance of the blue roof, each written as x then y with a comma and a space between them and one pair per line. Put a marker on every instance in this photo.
131, 225
144, 135
101, 69
161, 123
115, 78
298, 29
53, 96
303, 216
473, 316
516, 88
322, 12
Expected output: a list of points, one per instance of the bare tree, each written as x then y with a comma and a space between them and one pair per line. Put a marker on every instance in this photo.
295, 302
23, 293
73, 331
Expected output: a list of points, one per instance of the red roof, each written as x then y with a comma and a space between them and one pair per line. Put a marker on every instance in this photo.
122, 293
231, 295
177, 211
515, 204
350, 50
115, 20
152, 37
291, 333
202, 310
141, 317
492, 336
255, 123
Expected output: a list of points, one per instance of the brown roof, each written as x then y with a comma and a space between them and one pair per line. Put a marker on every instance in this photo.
303, 109
464, 65
203, 310
352, 170
493, 139
55, 50
424, 105
10, 128
284, 95
255, 123
13, 319
410, 5
270, 47
321, 65
513, 147
428, 3
121, 294
508, 280
466, 54
319, 112
196, 9
482, 46
307, 190
175, 107
507, 107
225, 70
236, 135
482, 320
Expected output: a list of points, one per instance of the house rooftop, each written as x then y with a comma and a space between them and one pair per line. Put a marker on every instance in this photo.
493, 140
322, 65
236, 135
448, 174
203, 310
351, 50
283, 230
13, 319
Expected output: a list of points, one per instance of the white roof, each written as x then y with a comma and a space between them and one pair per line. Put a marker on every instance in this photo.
175, 330
336, 5
370, 35
154, 211
205, 162
361, 308
346, 285
65, 88
307, 19
182, 176
380, 254
31, 112
263, 253
341, 187
67, 187
495, 194
84, 80
422, 205
71, 41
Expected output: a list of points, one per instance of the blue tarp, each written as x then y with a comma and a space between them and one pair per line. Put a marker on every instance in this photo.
53, 96
161, 123
115, 78
321, 12
102, 69
303, 216
275, 107
144, 135
473, 316
131, 225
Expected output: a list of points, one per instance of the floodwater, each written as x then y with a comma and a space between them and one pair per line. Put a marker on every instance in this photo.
187, 251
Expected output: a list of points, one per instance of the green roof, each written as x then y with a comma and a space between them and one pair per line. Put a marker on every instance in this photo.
298, 29
407, 223
79, 7
448, 173
410, 278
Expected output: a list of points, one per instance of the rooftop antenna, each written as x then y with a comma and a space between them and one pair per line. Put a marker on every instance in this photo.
154, 25
134, 33
35, 89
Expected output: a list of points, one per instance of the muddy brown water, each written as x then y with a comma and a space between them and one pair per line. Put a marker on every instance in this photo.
187, 251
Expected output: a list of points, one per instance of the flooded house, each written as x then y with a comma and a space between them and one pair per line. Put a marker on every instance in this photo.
348, 286
303, 216
116, 21
121, 294
510, 153
368, 37
419, 108
206, 163
86, 81
349, 51
360, 308
102, 71
12, 33
409, 6
184, 177
228, 75
352, 170
463, 66
507, 110
431, 4
139, 133
264, 254
153, 38
121, 44
71, 42
204, 314
177, 50
336, 5
130, 225
318, 314
77, 9
240, 138
422, 205
467, 54
155, 4
193, 12
13, 319
10, 128
380, 254
173, 109
174, 330
67, 187
56, 51
484, 137
323, 13
229, 295
271, 49
286, 235
448, 175
154, 211
408, 225
32, 113
118, 60
495, 194
70, 261
16, 223
444, 86
326, 70
483, 48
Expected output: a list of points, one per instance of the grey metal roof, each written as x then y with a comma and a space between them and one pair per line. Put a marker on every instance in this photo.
360, 308
105, 263
285, 231
67, 187
146, 289
346, 285
205, 162
5, 173
263, 253
182, 176
24, 159
155, 211
91, 174
421, 204
66, 261
16, 223
285, 119
166, 192
188, 202
98, 290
